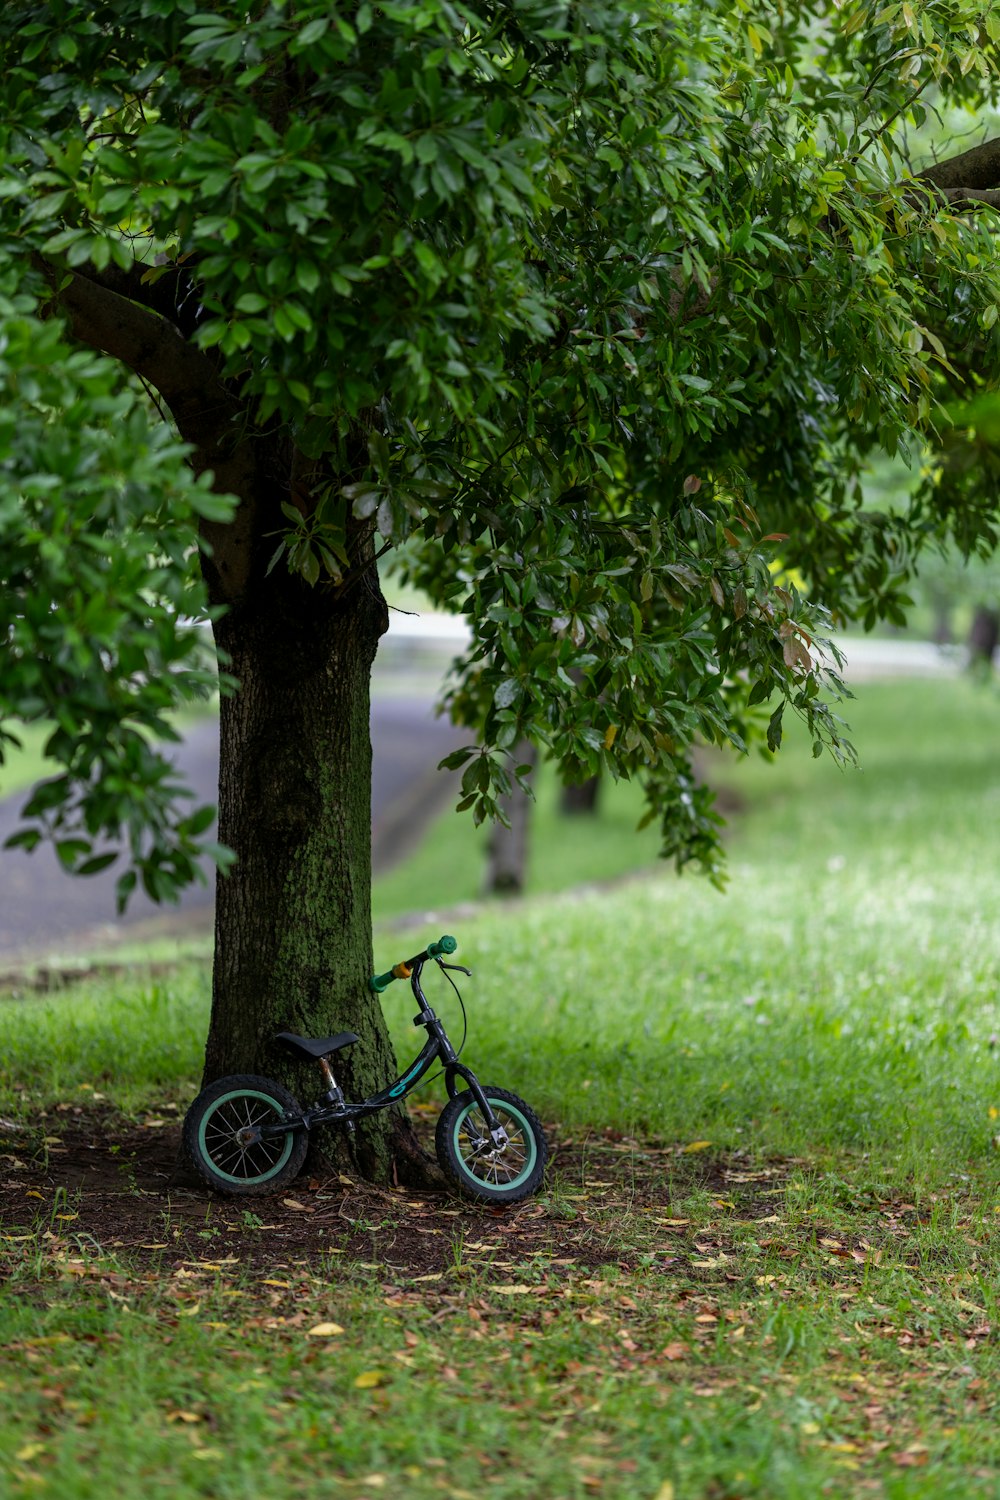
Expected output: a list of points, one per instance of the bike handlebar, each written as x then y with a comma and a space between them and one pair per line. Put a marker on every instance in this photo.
379, 982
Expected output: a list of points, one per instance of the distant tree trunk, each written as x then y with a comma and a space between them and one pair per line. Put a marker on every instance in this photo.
984, 635
293, 917
580, 797
507, 857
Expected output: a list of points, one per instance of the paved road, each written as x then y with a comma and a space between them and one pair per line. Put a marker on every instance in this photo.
43, 910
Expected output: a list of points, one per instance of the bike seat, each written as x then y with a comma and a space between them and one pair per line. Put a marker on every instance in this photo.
315, 1047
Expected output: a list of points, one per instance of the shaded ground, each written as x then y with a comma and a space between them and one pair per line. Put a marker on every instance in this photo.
105, 1183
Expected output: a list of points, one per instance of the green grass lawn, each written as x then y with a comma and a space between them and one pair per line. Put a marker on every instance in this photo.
793, 1294
24, 763
449, 866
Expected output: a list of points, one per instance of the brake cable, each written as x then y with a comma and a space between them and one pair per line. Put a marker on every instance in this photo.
465, 1020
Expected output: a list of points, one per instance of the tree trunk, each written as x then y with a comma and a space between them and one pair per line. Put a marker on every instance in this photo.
507, 855
984, 635
579, 798
293, 916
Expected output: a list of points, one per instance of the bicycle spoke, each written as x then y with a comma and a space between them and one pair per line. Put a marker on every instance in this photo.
232, 1156
497, 1166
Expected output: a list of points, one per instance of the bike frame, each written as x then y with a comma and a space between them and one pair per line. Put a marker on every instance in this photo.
336, 1110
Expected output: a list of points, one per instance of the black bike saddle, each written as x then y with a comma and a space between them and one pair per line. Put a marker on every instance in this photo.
315, 1047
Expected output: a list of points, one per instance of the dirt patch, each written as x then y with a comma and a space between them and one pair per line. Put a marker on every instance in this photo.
112, 1185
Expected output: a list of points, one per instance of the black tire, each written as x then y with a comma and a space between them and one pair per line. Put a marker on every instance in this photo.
467, 1157
218, 1136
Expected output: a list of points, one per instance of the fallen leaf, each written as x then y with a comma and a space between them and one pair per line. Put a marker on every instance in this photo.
183, 1416
325, 1331
369, 1378
29, 1452
695, 1146
676, 1351
665, 1492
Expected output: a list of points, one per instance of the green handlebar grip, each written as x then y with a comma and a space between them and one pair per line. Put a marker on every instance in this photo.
380, 982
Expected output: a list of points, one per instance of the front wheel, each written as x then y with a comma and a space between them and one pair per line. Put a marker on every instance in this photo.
496, 1173
223, 1135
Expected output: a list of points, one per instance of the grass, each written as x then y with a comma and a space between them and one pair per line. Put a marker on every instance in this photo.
788, 1097
449, 866
25, 763
568, 1387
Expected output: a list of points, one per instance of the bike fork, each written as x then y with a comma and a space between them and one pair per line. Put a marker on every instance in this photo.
497, 1133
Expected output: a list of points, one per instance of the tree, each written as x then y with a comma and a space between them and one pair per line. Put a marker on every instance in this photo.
602, 306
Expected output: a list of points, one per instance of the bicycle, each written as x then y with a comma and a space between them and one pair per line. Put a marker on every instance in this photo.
247, 1134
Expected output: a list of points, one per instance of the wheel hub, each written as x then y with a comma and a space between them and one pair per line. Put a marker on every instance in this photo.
491, 1148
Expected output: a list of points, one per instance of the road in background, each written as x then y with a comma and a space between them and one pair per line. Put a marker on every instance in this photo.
44, 911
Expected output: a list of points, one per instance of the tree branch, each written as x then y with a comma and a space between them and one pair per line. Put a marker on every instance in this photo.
977, 168
972, 178
201, 405
207, 413
167, 289
957, 196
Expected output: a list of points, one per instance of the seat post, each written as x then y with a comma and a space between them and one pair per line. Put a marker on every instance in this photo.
333, 1091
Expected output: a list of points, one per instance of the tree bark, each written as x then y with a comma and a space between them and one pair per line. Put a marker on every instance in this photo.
507, 855
984, 637
579, 798
293, 916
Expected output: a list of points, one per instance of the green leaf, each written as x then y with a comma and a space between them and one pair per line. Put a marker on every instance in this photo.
70, 850
507, 693
199, 821
457, 758
97, 864
312, 31
124, 887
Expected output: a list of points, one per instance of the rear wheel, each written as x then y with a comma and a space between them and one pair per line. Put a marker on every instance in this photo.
223, 1135
496, 1173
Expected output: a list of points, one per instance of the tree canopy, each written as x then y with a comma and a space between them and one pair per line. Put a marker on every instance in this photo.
600, 309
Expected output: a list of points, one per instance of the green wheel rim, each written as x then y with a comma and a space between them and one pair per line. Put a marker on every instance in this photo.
219, 1144
518, 1156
